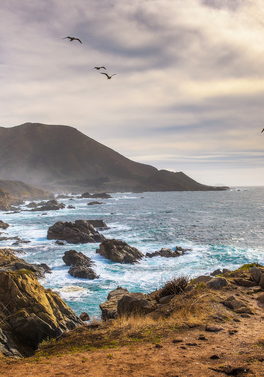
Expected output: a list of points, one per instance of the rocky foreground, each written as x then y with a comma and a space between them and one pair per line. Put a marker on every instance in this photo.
204, 329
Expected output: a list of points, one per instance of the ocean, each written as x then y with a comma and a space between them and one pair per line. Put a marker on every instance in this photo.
223, 229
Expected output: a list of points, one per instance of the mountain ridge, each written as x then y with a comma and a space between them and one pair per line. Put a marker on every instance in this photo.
59, 155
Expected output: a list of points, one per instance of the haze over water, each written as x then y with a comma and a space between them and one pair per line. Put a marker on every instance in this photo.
223, 229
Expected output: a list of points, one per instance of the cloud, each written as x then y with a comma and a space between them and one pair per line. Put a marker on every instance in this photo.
189, 84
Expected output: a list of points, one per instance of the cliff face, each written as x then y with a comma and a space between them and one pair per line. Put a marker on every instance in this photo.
29, 313
52, 156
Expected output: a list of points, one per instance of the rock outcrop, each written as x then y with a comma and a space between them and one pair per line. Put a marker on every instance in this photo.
50, 205
80, 265
168, 253
119, 251
109, 307
29, 313
81, 231
10, 262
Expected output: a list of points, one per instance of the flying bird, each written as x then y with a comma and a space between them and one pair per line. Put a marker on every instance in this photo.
73, 39
262, 130
99, 68
109, 77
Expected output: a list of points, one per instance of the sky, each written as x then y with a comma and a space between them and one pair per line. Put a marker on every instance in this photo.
188, 90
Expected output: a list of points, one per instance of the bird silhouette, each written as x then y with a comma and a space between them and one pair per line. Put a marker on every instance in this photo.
73, 39
262, 130
99, 68
109, 77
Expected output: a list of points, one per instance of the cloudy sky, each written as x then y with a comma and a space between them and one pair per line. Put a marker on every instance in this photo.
188, 94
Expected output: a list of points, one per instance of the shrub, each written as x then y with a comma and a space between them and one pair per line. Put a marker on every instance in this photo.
174, 286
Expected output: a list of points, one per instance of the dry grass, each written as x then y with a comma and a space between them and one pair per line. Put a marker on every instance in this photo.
185, 311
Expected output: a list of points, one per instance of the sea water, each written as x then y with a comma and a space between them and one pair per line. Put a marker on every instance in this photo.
222, 229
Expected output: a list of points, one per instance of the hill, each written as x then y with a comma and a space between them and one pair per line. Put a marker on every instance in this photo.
53, 155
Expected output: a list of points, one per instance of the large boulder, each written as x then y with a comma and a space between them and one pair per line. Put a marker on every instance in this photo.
31, 313
135, 303
81, 231
80, 265
119, 251
109, 307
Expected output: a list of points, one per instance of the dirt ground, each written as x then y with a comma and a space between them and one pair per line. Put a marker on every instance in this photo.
232, 351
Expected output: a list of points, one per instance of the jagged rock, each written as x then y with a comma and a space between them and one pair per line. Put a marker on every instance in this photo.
81, 265
216, 283
82, 231
109, 307
93, 203
70, 207
73, 257
119, 251
3, 225
30, 312
50, 205
135, 303
168, 253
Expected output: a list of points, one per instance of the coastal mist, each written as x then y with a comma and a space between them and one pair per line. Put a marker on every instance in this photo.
222, 229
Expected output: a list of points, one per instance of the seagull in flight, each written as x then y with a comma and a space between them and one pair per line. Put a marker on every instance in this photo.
109, 77
99, 68
73, 39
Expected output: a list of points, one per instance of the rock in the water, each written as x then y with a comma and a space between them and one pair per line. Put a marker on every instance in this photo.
31, 313
94, 203
168, 253
3, 225
80, 265
119, 251
84, 316
101, 195
83, 272
81, 231
50, 205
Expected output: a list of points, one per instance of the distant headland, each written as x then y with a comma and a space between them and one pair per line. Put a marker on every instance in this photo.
61, 157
